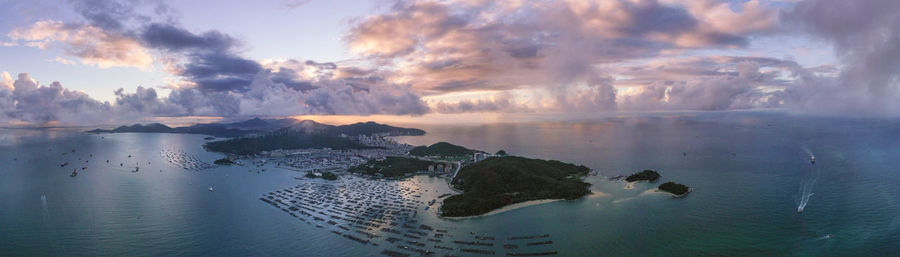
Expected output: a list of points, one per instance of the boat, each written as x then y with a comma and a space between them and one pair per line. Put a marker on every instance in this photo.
210, 189
74, 173
829, 236
812, 159
63, 164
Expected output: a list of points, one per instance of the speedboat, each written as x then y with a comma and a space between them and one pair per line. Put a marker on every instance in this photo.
210, 189
812, 159
799, 209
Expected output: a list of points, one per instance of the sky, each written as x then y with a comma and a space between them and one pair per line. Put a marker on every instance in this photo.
83, 62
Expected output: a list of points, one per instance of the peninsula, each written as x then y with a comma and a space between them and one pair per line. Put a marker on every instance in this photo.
393, 166
310, 134
499, 181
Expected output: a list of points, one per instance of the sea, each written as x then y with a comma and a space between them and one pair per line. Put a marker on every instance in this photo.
751, 173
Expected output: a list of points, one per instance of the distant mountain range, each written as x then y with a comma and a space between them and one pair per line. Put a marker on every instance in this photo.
268, 126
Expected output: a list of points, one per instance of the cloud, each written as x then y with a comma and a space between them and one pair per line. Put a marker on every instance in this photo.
293, 4
866, 38
91, 45
569, 49
173, 38
26, 100
215, 79
499, 102
740, 86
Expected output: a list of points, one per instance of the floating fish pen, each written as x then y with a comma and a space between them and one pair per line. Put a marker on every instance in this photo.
393, 253
529, 237
532, 254
373, 213
479, 251
443, 247
472, 243
540, 243
415, 243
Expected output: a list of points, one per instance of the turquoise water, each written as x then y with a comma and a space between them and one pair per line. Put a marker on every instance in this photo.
746, 168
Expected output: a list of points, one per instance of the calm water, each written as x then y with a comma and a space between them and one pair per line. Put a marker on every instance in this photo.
747, 170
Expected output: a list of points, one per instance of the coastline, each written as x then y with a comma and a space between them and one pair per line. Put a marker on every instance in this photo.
524, 204
657, 191
630, 185
508, 208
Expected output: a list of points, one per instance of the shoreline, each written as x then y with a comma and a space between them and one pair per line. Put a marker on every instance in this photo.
630, 185
657, 191
508, 208
524, 204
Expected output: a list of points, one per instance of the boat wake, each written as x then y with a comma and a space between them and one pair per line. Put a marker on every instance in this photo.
807, 184
828, 236
45, 213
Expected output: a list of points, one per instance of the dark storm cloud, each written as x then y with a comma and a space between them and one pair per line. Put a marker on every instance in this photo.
173, 38
220, 71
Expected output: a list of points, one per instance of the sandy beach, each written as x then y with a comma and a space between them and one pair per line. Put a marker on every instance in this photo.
526, 204
508, 208
630, 185
654, 191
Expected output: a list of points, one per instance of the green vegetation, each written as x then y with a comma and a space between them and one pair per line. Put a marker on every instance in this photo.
253, 145
325, 175
500, 181
224, 161
441, 149
647, 175
501, 153
369, 128
393, 166
674, 188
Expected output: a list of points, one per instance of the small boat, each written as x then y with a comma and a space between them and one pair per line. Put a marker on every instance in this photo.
63, 164
829, 236
210, 189
74, 173
812, 159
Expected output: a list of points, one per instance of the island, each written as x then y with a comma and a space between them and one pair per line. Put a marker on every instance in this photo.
645, 175
224, 161
677, 190
499, 181
441, 149
323, 175
393, 167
